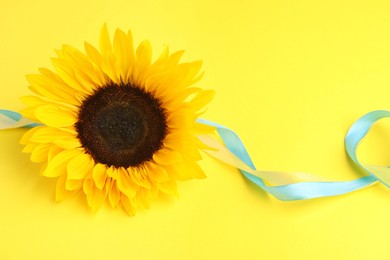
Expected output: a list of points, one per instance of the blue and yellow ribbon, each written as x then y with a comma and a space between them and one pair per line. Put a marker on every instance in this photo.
289, 186
11, 119
286, 186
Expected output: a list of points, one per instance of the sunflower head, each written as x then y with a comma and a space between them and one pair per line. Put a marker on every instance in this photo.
116, 125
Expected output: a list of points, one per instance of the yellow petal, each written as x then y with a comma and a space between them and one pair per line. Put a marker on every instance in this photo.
166, 157
57, 166
174, 59
56, 82
50, 74
54, 116
162, 59
46, 134
177, 173
104, 41
179, 141
193, 169
127, 205
86, 82
54, 150
99, 175
170, 83
50, 88
29, 148
153, 83
61, 192
154, 192
93, 54
39, 154
202, 99
29, 113
193, 75
108, 66
157, 173
114, 195
83, 65
192, 154
32, 101
96, 199
173, 101
68, 143
112, 173
27, 136
103, 62
73, 185
143, 55
88, 186
143, 59
66, 72
203, 129
139, 177
142, 199
181, 119
126, 185
79, 166
168, 187
180, 77
124, 53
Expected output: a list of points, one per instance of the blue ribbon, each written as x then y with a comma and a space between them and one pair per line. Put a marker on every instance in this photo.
15, 120
300, 190
355, 134
309, 190
297, 191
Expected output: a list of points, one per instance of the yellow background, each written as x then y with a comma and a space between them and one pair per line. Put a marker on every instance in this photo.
290, 76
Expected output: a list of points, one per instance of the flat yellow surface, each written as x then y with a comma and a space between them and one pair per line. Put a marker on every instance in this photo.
290, 76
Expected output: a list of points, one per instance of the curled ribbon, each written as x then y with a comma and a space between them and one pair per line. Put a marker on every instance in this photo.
286, 186
355, 134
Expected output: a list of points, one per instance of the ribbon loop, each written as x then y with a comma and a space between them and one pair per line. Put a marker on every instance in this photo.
356, 133
289, 186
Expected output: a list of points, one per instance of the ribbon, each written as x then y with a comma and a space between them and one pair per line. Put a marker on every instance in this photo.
285, 186
355, 134
296, 186
10, 119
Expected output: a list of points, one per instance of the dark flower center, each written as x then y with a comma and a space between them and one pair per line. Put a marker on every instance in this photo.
121, 125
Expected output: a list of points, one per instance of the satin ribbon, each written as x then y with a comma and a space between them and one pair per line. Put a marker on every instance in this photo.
286, 186
10, 119
355, 134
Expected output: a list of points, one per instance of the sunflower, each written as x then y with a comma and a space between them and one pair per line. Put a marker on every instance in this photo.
115, 125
